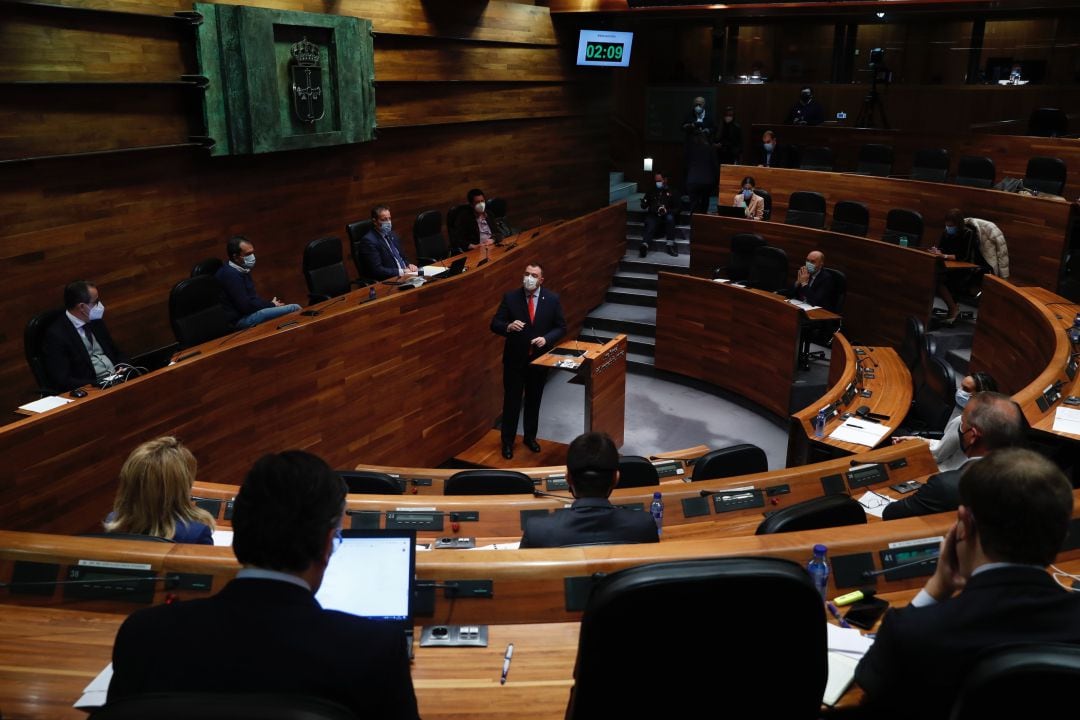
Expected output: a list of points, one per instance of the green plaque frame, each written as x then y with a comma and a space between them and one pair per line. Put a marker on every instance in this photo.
248, 105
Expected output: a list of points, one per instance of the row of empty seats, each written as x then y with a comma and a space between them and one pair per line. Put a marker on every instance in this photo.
808, 209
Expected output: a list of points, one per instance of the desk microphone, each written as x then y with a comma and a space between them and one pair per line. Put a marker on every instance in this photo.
312, 313
871, 357
867, 574
287, 324
565, 498
185, 356
92, 581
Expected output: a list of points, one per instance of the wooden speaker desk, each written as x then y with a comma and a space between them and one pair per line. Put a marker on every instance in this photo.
601, 368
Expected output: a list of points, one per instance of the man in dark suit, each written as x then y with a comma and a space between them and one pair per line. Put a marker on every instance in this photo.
1015, 509
381, 254
592, 471
78, 348
531, 319
772, 154
479, 229
990, 422
286, 521
814, 286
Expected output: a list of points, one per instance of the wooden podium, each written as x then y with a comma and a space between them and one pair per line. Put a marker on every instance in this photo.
602, 370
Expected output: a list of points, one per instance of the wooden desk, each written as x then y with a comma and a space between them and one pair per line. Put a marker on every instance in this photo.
736, 338
1010, 153
1036, 229
414, 375
885, 283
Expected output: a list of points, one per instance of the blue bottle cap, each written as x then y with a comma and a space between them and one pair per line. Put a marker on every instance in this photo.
820, 549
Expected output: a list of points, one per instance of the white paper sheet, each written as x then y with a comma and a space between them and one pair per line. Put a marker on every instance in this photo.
841, 673
46, 403
95, 693
860, 432
433, 270
874, 503
804, 306
1067, 420
848, 641
223, 538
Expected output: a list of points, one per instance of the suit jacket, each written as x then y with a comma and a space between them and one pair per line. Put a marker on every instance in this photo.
755, 210
589, 521
66, 359
549, 323
276, 639
821, 292
706, 125
466, 232
782, 156
376, 260
921, 655
940, 493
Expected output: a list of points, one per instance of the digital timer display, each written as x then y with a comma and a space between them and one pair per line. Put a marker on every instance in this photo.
603, 51
604, 48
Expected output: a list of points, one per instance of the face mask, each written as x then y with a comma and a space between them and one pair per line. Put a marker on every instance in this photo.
769, 147
960, 433
480, 206
699, 109
530, 283
806, 97
962, 397
810, 267
950, 229
659, 185
747, 194
385, 227
729, 118
249, 261
97, 311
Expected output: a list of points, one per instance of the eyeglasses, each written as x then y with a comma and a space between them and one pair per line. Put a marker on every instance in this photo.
337, 541
873, 501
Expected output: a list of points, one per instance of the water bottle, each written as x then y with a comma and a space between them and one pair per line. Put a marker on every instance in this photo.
903, 241
657, 510
818, 568
819, 423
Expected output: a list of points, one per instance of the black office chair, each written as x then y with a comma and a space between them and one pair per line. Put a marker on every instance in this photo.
637, 471
975, 172
743, 459
821, 332
1015, 681
431, 245
496, 208
126, 536
195, 311
356, 231
1048, 122
324, 270
222, 706
821, 512
901, 223
935, 400
930, 165
914, 342
875, 159
209, 266
769, 269
806, 209
766, 212
453, 216
640, 648
34, 347
369, 482
488, 482
850, 217
743, 246
816, 157
1046, 175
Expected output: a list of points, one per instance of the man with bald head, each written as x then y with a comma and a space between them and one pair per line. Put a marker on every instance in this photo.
813, 285
991, 421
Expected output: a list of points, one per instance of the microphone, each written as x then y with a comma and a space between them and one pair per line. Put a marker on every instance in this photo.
867, 574
565, 498
743, 491
232, 336
94, 581
868, 355
185, 356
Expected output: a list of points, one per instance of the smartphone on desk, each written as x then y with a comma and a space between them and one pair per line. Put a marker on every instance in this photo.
865, 613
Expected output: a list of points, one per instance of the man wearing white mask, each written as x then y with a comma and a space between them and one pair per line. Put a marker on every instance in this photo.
813, 285
480, 230
243, 307
381, 254
78, 348
531, 319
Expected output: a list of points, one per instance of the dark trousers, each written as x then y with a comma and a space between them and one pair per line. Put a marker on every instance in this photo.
653, 223
699, 196
519, 381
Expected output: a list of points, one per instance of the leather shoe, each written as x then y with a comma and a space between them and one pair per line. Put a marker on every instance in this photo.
643, 250
532, 445
508, 451
672, 251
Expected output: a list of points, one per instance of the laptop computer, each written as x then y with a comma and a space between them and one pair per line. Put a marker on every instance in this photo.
456, 268
372, 575
731, 211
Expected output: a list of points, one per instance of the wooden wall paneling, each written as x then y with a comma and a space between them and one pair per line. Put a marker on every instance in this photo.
438, 104
414, 376
1035, 228
886, 283
430, 60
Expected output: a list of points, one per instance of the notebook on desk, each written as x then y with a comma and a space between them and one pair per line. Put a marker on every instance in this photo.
731, 211
372, 574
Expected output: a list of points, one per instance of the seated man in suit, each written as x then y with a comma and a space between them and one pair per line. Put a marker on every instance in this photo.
78, 348
276, 638
381, 256
990, 421
1015, 509
479, 230
592, 472
243, 307
772, 154
814, 286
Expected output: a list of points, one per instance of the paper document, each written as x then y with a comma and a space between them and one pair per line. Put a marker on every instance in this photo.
1067, 420
874, 503
847, 641
223, 538
804, 306
46, 403
721, 280
95, 693
841, 673
500, 546
860, 432
433, 270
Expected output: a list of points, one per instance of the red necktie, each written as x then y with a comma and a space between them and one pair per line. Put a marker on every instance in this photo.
532, 308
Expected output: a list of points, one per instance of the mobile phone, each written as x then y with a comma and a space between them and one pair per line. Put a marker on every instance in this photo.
865, 613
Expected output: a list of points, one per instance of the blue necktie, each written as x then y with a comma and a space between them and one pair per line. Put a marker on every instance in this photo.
393, 251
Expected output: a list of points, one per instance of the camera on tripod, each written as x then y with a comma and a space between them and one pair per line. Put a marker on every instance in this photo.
882, 74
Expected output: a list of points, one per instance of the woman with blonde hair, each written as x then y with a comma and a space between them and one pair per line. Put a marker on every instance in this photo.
154, 497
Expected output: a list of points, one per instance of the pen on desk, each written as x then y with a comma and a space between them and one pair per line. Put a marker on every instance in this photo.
836, 614
851, 424
506, 663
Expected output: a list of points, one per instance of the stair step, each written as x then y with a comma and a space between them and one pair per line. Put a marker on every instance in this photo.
639, 280
640, 362
619, 318
632, 296
636, 343
960, 359
614, 178
654, 263
620, 191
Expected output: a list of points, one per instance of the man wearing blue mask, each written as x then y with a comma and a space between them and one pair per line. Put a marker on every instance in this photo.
661, 206
243, 307
381, 255
78, 349
771, 153
813, 285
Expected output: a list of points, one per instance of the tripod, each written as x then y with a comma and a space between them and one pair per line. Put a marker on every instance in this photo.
872, 104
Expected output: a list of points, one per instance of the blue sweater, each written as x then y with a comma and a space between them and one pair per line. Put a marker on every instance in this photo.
238, 293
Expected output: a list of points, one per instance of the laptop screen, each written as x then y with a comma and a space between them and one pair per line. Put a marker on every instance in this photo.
372, 575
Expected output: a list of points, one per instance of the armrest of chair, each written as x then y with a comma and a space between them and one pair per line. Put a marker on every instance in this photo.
314, 298
361, 282
422, 261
